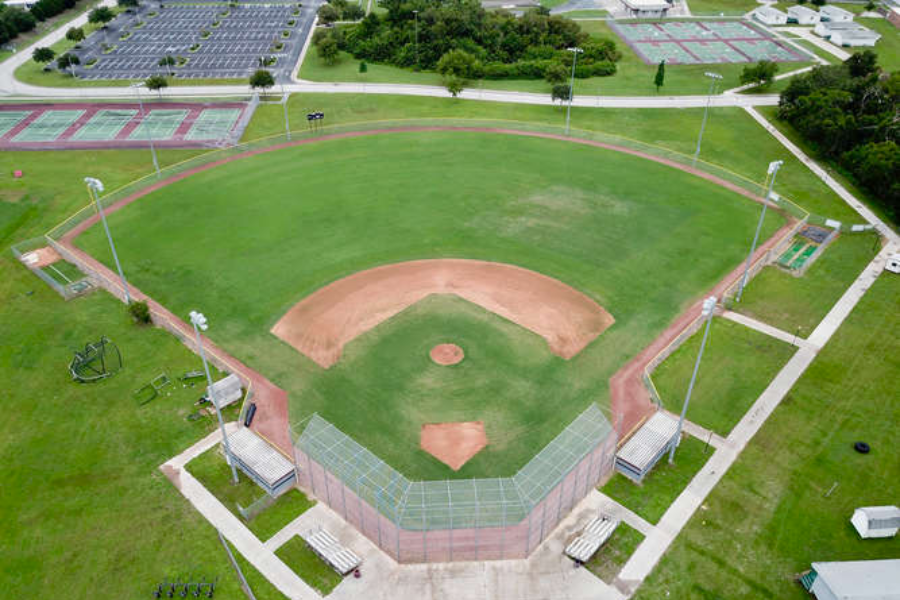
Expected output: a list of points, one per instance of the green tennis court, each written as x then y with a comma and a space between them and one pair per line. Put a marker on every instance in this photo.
11, 118
104, 126
49, 126
158, 125
213, 124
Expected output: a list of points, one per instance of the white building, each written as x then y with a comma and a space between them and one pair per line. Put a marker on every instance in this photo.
876, 521
847, 34
802, 15
835, 14
647, 9
854, 580
770, 16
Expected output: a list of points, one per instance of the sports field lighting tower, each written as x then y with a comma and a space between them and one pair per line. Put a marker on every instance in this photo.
714, 77
137, 87
200, 323
709, 307
287, 123
770, 174
575, 52
95, 186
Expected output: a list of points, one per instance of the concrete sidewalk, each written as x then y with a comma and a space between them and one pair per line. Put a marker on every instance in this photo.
769, 330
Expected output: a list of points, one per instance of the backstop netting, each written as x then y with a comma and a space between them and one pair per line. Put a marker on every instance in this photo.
453, 520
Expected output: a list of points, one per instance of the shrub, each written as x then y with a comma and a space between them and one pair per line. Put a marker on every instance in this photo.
140, 312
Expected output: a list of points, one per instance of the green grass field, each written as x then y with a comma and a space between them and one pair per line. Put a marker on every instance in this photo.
738, 364
610, 559
308, 566
769, 517
729, 8
337, 207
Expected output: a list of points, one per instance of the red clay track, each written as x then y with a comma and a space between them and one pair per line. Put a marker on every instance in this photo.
629, 398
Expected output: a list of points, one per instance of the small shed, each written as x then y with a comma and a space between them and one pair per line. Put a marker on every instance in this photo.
647, 9
802, 15
648, 444
854, 580
876, 521
227, 390
893, 263
261, 462
835, 14
770, 16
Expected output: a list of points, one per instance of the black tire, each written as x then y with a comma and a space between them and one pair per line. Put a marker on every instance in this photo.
861, 447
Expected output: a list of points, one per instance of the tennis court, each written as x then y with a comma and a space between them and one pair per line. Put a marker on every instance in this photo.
9, 119
713, 52
213, 123
158, 124
105, 125
48, 126
764, 50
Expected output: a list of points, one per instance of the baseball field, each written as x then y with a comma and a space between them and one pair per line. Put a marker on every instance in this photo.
247, 240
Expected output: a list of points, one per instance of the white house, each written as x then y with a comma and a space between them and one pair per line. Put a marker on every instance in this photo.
647, 9
876, 521
835, 14
770, 16
802, 15
854, 580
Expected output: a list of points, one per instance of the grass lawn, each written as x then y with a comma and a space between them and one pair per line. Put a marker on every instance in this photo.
610, 559
888, 47
769, 517
212, 471
738, 365
373, 200
787, 302
305, 563
665, 482
729, 8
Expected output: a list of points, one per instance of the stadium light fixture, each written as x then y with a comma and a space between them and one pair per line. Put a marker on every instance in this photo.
709, 309
770, 196
575, 52
287, 123
95, 188
137, 87
198, 320
714, 81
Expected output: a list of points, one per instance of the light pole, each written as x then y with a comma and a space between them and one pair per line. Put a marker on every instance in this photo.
771, 173
715, 77
287, 124
575, 52
709, 307
95, 186
199, 322
137, 87
416, 13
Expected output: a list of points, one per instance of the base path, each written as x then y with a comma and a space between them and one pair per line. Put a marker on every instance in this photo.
321, 324
453, 443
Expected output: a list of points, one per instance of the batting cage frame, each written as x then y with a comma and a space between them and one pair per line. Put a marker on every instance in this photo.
455, 520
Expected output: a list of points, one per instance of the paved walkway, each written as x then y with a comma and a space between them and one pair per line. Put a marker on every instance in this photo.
769, 330
807, 34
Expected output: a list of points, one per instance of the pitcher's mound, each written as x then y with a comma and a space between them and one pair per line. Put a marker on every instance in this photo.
446, 354
453, 443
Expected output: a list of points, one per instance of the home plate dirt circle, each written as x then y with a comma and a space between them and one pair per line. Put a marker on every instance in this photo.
446, 354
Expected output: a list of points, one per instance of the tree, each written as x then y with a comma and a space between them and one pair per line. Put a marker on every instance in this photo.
167, 61
762, 73
660, 78
328, 14
353, 12
363, 67
871, 6
75, 34
68, 61
262, 79
101, 14
43, 55
818, 2
454, 85
157, 83
862, 64
127, 3
556, 73
560, 92
459, 64
328, 49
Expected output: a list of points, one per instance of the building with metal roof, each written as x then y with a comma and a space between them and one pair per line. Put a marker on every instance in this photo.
802, 15
261, 461
876, 521
854, 580
770, 15
648, 444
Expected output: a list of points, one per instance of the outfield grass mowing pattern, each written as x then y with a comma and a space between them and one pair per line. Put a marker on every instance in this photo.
48, 126
104, 125
158, 124
213, 124
10, 118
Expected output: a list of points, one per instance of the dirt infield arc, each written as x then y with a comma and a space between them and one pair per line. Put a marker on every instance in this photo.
321, 324
629, 398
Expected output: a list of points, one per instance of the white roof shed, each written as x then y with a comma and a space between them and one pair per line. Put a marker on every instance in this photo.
835, 13
857, 580
770, 15
802, 15
648, 444
876, 521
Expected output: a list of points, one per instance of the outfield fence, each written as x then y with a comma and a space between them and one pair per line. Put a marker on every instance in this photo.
455, 520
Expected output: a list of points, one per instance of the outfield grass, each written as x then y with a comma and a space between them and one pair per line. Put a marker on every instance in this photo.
738, 364
308, 566
778, 298
357, 203
769, 517
613, 555
213, 472
665, 482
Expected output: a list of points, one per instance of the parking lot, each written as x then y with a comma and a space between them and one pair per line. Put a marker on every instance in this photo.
208, 42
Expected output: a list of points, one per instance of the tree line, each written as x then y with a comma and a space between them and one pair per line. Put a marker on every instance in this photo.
14, 20
459, 39
849, 113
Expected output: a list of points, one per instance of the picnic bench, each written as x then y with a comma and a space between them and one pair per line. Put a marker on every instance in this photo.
594, 535
331, 551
